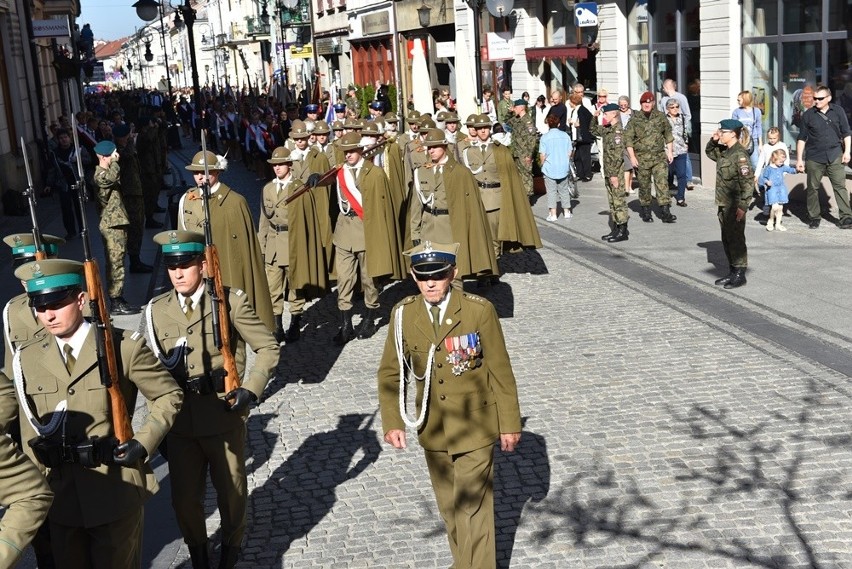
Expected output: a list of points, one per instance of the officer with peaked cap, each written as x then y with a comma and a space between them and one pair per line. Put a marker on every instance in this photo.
452, 343
367, 237
240, 259
446, 207
210, 430
99, 486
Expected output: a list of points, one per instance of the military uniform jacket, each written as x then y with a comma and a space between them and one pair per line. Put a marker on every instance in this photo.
26, 496
240, 259
648, 135
454, 189
734, 176
305, 246
131, 183
613, 146
524, 136
465, 411
379, 233
91, 497
205, 415
20, 326
113, 214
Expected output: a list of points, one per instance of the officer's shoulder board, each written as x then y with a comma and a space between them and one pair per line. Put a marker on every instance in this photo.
474, 297
236, 292
407, 300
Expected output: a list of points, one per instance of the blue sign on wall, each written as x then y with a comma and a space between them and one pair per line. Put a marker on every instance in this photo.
586, 14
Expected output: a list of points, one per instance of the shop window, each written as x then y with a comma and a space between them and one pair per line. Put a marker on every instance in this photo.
840, 78
801, 71
760, 18
637, 23
839, 15
665, 12
760, 68
802, 16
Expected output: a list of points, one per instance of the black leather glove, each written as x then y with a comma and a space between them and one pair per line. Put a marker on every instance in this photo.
313, 180
242, 397
129, 453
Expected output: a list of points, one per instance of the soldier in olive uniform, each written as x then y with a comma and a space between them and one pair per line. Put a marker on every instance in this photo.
25, 496
353, 105
332, 151
113, 224
100, 486
413, 122
131, 195
210, 430
612, 136
503, 195
648, 139
734, 186
524, 139
307, 158
148, 151
240, 258
446, 207
466, 398
367, 237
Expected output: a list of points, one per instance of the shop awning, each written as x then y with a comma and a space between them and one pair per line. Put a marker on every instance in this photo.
577, 52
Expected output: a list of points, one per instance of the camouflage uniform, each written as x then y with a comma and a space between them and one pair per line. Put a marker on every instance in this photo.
352, 104
648, 136
734, 186
613, 165
113, 225
148, 153
524, 139
131, 195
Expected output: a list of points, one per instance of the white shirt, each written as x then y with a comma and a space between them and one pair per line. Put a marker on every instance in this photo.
196, 298
76, 341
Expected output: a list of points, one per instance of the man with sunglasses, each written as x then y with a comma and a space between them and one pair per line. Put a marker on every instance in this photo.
823, 148
452, 346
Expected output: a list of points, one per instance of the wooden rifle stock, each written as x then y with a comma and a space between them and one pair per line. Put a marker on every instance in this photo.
107, 361
220, 305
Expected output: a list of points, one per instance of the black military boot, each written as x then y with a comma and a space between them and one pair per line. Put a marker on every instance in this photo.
120, 307
279, 328
666, 214
611, 233
229, 557
726, 279
737, 278
293, 333
621, 235
346, 333
367, 327
199, 556
137, 266
645, 214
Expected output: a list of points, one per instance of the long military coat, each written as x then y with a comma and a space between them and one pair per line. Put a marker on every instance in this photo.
467, 411
305, 247
89, 497
240, 259
205, 415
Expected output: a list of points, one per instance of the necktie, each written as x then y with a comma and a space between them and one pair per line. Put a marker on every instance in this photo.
482, 148
436, 318
187, 308
70, 360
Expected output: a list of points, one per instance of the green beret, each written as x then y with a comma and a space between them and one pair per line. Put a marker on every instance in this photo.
609, 107
105, 148
730, 124
520, 102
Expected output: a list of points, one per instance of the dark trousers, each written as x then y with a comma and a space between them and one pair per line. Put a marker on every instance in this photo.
583, 159
678, 169
733, 236
836, 173
72, 219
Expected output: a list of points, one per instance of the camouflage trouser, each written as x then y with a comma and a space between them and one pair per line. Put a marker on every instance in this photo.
659, 169
617, 203
526, 175
115, 243
733, 236
136, 214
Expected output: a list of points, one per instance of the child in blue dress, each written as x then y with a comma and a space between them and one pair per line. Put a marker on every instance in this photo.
772, 178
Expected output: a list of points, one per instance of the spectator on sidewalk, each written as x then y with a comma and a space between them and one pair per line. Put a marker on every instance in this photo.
680, 155
772, 178
625, 114
555, 156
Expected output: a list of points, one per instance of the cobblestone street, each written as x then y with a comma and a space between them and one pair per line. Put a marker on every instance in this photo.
669, 423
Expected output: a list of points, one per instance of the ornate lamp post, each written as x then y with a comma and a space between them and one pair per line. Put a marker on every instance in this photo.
148, 10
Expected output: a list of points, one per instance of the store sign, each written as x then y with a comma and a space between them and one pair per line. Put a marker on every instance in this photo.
586, 14
642, 11
445, 49
378, 23
304, 52
51, 29
500, 46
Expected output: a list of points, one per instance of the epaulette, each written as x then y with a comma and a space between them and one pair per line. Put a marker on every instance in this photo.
135, 336
408, 299
237, 292
472, 296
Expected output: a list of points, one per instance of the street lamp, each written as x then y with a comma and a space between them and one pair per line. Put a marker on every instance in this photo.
149, 57
148, 10
423, 13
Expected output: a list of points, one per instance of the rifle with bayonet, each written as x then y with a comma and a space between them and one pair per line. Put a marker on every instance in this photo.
31, 200
215, 288
104, 339
328, 176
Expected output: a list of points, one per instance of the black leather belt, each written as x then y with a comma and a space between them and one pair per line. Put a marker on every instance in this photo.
435, 211
214, 382
350, 213
90, 453
488, 185
279, 228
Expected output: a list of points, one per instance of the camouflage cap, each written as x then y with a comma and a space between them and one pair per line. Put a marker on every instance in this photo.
280, 155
